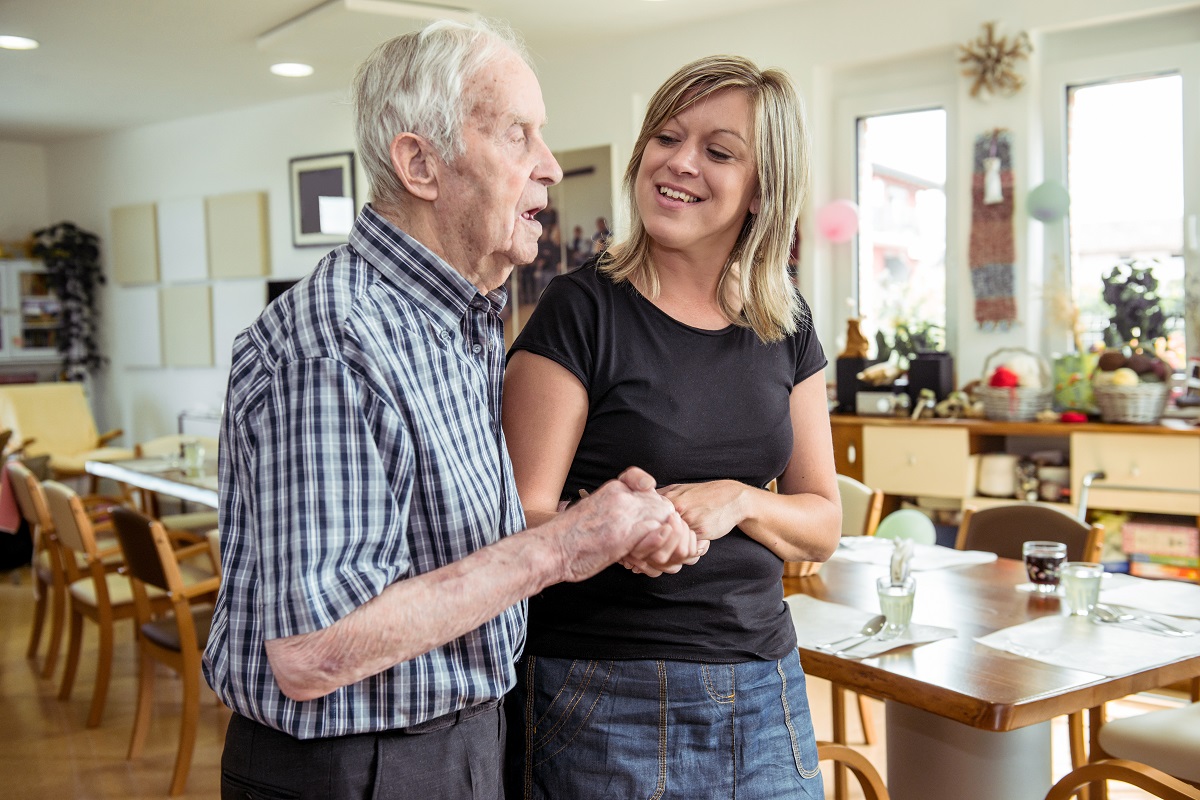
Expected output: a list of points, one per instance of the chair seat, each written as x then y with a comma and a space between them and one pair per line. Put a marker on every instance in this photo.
119, 591
199, 521
165, 633
73, 463
1168, 740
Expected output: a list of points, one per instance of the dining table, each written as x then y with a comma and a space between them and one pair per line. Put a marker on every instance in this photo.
965, 718
164, 475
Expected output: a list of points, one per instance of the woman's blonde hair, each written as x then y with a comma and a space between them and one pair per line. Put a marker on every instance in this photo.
756, 272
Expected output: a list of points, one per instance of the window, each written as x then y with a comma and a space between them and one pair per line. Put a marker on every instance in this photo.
1125, 175
902, 226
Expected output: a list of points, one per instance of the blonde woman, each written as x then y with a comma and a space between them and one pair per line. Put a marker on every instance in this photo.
687, 351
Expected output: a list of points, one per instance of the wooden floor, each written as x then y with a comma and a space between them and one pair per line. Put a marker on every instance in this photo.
46, 752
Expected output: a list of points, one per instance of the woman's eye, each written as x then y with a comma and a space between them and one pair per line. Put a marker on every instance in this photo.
665, 139
719, 155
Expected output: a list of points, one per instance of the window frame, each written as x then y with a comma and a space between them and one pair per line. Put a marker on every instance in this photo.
844, 258
1058, 78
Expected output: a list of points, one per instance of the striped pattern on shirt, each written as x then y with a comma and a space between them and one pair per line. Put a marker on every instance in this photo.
361, 445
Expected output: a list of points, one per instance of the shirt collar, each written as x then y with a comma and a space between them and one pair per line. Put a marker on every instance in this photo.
419, 272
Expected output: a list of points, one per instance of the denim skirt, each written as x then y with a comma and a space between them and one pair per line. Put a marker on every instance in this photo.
581, 729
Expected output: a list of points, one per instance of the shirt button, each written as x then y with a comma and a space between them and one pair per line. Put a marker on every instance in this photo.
444, 335
477, 348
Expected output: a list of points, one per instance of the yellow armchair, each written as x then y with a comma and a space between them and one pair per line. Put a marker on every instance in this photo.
55, 419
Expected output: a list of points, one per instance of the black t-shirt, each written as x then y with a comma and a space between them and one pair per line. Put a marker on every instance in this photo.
687, 405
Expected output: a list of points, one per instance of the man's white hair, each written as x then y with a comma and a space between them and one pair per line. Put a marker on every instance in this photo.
415, 83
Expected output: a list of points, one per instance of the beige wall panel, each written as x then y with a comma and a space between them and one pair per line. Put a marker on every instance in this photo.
134, 255
237, 235
187, 332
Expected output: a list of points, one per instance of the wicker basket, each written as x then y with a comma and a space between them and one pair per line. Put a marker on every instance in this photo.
1016, 403
1142, 404
801, 569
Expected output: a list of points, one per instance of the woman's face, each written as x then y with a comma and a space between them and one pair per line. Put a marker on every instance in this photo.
698, 176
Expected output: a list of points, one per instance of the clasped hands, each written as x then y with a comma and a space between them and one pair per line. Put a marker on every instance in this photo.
685, 519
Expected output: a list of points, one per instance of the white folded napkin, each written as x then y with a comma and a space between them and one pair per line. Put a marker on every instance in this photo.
869, 550
818, 622
1105, 649
1175, 598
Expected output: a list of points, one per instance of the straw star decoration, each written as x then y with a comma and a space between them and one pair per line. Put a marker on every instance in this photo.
991, 61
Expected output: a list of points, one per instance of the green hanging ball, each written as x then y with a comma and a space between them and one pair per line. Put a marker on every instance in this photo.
1048, 202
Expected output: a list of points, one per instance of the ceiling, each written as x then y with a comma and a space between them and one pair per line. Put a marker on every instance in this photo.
104, 65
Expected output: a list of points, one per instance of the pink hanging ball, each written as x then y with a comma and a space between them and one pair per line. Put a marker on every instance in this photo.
837, 221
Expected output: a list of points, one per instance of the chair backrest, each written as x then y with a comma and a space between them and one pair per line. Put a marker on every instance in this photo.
30, 500
147, 549
907, 523
861, 507
169, 445
71, 523
56, 416
1003, 529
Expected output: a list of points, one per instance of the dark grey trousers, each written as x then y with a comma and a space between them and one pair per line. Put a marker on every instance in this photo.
459, 762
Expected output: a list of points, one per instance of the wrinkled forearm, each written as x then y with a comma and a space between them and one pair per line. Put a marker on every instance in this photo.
413, 616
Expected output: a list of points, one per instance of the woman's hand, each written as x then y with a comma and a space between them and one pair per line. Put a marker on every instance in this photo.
653, 567
711, 509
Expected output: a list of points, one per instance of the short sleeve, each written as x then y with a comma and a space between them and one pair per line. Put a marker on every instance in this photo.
564, 326
331, 522
810, 357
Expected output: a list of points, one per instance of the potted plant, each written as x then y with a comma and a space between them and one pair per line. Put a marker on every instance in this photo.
1138, 318
72, 259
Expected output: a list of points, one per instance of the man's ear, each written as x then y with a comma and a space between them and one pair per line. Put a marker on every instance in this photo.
416, 165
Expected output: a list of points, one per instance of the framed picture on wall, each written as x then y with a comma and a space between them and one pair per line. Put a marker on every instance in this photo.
323, 199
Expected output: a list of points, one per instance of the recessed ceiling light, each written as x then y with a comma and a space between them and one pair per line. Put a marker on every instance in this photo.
292, 70
18, 43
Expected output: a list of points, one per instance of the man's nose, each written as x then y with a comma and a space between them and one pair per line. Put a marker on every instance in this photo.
547, 171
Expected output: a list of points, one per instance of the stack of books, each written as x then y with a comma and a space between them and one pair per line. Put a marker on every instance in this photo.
1162, 546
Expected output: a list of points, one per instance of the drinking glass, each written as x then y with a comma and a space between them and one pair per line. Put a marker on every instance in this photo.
896, 603
1043, 562
193, 456
1081, 586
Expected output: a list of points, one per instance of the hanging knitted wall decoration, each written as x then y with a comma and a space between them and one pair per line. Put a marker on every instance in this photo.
992, 251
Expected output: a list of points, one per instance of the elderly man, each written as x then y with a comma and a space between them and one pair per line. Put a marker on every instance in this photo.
375, 566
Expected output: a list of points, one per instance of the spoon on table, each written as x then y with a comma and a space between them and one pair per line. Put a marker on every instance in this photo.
1107, 614
871, 627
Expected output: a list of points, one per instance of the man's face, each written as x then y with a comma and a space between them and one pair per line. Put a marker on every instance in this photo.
491, 194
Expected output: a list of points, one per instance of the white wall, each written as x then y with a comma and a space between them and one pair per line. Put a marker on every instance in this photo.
231, 152
24, 207
595, 92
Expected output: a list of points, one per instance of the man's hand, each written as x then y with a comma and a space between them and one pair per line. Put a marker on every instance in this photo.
623, 518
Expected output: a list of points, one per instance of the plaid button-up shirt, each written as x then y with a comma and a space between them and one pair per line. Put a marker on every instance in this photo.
361, 445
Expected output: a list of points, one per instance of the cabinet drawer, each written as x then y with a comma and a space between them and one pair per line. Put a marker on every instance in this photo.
1141, 461
917, 461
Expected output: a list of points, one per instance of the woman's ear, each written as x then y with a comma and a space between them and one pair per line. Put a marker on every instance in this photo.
756, 203
416, 165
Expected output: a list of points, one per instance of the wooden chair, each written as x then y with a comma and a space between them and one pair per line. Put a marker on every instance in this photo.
96, 594
845, 757
49, 574
862, 508
1004, 529
175, 638
1159, 752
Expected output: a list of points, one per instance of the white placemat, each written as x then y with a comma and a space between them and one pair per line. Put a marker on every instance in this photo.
1175, 598
869, 550
1079, 643
818, 622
